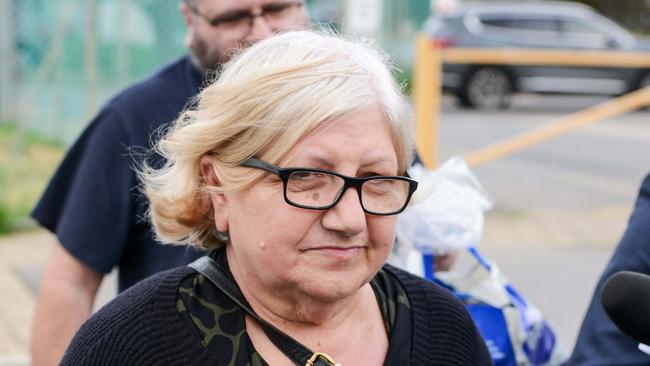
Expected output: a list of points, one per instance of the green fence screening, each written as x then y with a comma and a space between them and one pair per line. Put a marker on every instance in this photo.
66, 57
62, 59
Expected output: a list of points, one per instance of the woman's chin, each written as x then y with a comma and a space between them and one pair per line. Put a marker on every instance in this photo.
332, 286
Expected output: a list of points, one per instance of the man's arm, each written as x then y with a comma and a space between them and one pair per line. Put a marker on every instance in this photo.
65, 300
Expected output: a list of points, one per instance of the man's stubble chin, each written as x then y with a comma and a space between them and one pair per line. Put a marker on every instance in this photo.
212, 60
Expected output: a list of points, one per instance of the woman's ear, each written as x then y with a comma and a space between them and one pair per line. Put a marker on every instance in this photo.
218, 200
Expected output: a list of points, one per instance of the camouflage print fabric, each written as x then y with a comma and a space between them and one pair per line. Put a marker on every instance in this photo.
221, 326
220, 322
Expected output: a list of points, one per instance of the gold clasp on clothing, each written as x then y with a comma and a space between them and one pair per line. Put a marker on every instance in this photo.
327, 358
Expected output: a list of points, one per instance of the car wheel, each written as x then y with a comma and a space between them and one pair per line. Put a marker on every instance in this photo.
487, 88
462, 101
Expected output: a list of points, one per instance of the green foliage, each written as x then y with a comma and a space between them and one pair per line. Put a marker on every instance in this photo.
5, 227
26, 164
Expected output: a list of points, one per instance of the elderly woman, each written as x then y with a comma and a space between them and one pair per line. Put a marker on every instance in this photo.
291, 170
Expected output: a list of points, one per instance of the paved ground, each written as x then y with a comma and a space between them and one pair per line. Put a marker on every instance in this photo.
22, 257
553, 257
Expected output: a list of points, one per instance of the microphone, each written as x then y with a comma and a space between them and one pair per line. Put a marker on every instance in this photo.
626, 299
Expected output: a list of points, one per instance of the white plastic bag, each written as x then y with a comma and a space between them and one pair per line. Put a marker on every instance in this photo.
448, 209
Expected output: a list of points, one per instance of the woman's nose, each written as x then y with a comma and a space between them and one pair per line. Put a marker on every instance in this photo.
347, 217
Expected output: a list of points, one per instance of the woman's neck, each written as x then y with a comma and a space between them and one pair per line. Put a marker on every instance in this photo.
290, 308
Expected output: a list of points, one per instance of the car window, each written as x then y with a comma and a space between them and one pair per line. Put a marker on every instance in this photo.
575, 26
523, 30
583, 35
522, 23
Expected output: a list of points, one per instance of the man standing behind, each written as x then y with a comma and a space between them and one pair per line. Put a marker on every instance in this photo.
600, 342
92, 203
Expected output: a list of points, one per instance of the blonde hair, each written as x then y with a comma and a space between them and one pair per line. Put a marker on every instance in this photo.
264, 101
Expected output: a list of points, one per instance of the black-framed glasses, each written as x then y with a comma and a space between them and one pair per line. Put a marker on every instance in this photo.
319, 189
241, 20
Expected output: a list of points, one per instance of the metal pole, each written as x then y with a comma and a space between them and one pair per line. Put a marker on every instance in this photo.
90, 57
122, 44
58, 99
426, 94
8, 86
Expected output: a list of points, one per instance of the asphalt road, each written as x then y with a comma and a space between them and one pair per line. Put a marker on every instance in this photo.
596, 169
602, 164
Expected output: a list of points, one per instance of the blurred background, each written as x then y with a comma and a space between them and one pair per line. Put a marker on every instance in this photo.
560, 206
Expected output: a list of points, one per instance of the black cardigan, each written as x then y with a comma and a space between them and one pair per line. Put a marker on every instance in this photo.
143, 327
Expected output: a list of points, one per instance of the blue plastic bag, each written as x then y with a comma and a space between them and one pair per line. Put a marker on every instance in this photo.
514, 330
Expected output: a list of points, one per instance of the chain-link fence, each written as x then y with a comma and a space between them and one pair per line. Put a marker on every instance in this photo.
62, 59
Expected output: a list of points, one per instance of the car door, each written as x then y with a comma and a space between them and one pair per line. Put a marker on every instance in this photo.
594, 35
525, 30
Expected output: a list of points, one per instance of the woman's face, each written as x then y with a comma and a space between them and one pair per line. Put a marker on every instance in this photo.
325, 254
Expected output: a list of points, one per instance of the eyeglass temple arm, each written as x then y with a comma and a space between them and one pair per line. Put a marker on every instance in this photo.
260, 164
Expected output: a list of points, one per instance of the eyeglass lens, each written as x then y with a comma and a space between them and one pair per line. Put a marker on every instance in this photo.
320, 189
276, 14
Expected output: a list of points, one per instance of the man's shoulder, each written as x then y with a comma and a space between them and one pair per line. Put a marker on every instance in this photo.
167, 77
645, 187
638, 228
139, 110
175, 82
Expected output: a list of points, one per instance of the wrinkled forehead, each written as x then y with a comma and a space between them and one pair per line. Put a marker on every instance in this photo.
366, 129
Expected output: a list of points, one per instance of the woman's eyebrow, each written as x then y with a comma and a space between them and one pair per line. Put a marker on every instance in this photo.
326, 163
320, 161
379, 159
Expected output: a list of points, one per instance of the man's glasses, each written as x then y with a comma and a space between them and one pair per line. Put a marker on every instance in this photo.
318, 189
240, 21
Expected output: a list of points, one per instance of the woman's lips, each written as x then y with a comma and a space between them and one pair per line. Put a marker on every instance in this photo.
341, 253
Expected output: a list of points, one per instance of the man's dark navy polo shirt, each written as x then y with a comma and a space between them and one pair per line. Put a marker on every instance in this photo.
93, 203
